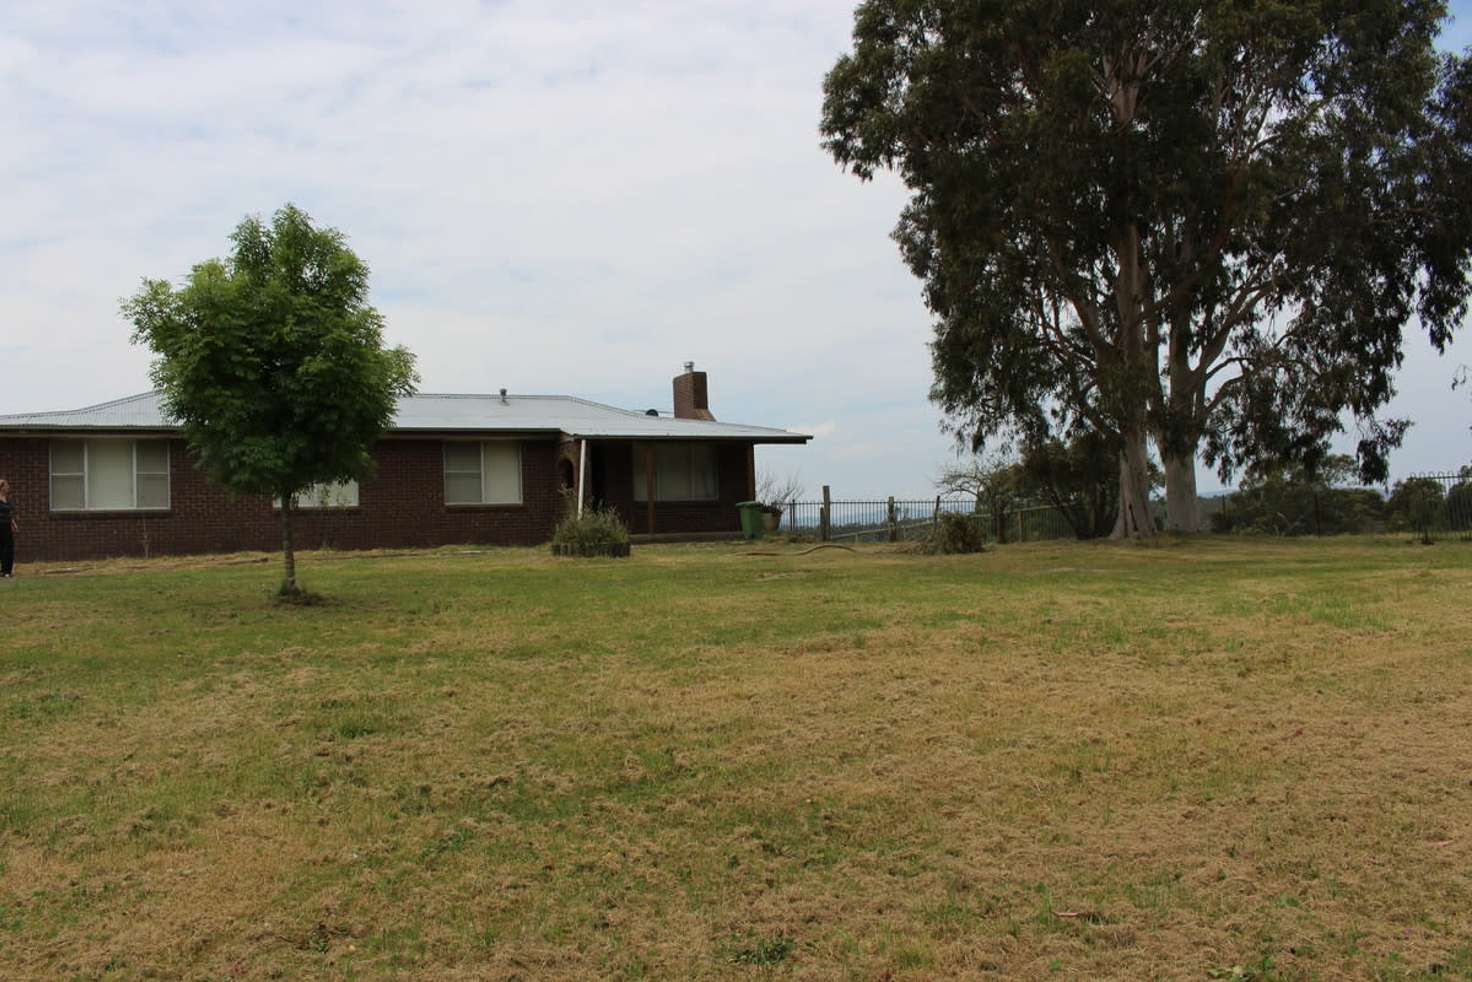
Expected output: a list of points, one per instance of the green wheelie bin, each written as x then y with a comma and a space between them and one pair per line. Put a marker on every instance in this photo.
751, 518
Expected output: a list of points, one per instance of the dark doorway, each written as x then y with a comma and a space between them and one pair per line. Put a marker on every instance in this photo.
597, 476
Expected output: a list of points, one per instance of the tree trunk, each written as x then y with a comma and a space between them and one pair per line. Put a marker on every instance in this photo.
1182, 509
1180, 427
1135, 520
288, 549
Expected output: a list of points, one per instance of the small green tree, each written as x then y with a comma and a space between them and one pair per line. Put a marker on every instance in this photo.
273, 362
994, 480
1078, 479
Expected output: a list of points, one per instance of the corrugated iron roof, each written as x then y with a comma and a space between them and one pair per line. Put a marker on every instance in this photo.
444, 413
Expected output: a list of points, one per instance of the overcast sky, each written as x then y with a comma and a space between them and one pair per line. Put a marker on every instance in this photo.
554, 198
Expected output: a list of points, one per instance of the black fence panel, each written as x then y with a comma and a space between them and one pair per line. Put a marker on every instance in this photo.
912, 519
1434, 505
1430, 505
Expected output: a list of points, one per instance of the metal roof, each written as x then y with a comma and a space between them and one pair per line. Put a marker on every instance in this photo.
444, 413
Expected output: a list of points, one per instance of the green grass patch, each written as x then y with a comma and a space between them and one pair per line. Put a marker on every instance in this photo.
1213, 758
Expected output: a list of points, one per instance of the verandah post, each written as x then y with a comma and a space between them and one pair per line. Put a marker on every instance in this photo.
582, 472
649, 483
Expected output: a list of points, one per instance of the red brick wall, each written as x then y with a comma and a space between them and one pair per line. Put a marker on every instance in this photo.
402, 505
675, 516
691, 399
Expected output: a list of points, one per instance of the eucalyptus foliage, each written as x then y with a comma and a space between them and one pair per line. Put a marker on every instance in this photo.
273, 362
1202, 225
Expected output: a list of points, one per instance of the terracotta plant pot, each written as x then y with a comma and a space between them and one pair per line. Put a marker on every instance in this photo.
771, 520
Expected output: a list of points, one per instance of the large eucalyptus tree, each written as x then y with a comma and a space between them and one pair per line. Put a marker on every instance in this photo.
1202, 225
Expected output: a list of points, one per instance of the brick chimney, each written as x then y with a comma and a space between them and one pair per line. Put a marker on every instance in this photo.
691, 401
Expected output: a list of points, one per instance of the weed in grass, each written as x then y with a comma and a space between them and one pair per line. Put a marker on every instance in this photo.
910, 958
453, 842
1262, 970
770, 950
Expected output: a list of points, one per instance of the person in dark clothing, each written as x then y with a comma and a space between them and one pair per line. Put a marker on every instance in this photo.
8, 528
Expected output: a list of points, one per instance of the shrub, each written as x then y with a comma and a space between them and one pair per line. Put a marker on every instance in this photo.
955, 534
597, 532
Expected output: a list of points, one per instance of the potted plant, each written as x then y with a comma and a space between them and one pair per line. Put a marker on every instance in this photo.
774, 493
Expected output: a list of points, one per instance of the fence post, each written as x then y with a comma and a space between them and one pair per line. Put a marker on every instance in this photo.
935, 519
1020, 536
825, 517
894, 533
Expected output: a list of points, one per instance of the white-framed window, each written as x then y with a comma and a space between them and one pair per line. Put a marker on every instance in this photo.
682, 472
109, 474
335, 494
482, 472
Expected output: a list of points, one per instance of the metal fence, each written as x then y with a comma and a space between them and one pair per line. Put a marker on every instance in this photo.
1436, 505
913, 519
1432, 505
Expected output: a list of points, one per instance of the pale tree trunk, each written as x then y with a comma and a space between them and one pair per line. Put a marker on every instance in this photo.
1135, 520
1180, 434
1182, 509
1137, 360
288, 549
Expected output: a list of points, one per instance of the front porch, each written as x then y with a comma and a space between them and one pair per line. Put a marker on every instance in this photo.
665, 490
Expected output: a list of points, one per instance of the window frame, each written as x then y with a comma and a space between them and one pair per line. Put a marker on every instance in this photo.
480, 473
167, 474
689, 446
85, 474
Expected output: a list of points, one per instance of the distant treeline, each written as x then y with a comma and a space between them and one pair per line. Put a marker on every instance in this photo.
1078, 481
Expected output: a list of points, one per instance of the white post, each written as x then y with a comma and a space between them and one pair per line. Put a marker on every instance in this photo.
582, 472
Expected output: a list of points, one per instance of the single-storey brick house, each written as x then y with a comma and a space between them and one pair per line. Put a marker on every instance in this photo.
116, 479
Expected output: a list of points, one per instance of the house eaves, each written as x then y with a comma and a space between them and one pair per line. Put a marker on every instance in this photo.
436, 413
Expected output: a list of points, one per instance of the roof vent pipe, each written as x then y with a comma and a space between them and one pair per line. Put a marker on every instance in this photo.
689, 367
503, 398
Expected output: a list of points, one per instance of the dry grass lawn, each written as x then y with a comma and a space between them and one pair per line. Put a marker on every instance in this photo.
1213, 759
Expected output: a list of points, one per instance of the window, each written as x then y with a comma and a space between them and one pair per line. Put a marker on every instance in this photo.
486, 473
682, 472
339, 494
109, 475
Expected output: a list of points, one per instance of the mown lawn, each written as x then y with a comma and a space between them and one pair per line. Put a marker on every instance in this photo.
1208, 759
